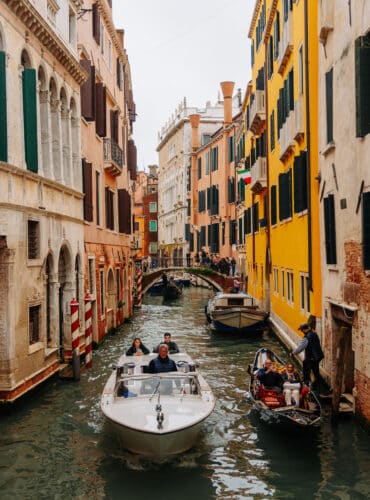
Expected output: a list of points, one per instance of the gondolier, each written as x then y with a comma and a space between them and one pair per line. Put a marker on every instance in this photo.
313, 354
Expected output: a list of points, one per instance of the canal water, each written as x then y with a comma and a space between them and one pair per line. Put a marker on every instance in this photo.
54, 444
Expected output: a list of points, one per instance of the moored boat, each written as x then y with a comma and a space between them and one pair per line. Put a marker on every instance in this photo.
235, 312
156, 414
272, 404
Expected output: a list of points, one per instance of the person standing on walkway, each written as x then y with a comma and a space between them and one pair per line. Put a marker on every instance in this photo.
313, 354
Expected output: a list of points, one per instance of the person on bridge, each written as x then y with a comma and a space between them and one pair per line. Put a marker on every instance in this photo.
172, 346
162, 363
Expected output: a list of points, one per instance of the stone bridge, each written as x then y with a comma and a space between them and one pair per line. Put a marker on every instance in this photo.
217, 280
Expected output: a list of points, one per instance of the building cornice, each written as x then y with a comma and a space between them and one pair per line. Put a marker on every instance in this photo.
270, 20
254, 17
37, 25
107, 16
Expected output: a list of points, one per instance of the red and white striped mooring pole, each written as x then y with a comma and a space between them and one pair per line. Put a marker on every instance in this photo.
139, 287
88, 331
75, 329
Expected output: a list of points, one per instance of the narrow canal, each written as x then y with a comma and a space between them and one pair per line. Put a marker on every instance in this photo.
54, 444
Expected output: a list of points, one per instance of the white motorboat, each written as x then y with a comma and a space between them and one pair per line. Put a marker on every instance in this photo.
235, 312
156, 414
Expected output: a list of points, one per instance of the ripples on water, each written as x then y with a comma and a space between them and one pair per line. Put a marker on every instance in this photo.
54, 444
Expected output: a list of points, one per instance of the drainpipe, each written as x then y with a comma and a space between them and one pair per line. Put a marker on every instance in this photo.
308, 135
268, 252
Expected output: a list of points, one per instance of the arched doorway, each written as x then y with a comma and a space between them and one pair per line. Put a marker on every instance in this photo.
65, 296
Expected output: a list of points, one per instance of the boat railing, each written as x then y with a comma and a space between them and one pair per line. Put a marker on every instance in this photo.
169, 384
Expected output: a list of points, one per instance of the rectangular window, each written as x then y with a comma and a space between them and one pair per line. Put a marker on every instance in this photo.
207, 163
290, 287
285, 195
276, 281
96, 23
153, 207
214, 159
109, 209
231, 149
34, 324
300, 70
152, 226
272, 130
3, 110
283, 283
30, 119
273, 206
199, 168
330, 235
91, 275
366, 230
102, 292
276, 35
97, 197
255, 217
101, 38
329, 106
362, 76
205, 139
33, 237
300, 183
118, 285
304, 292
153, 248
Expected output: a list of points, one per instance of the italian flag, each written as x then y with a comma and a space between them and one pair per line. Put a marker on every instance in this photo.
245, 175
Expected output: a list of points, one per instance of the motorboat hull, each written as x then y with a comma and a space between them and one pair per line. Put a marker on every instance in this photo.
224, 315
156, 414
154, 444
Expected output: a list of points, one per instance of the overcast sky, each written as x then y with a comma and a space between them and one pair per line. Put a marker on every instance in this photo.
181, 49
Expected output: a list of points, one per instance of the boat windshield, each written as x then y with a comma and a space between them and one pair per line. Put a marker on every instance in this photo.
164, 384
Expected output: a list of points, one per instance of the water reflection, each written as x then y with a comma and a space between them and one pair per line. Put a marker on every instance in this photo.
54, 444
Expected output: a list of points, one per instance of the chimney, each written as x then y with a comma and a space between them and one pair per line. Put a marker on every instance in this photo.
227, 90
194, 122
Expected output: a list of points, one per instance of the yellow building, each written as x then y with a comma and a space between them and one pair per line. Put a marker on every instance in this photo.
283, 243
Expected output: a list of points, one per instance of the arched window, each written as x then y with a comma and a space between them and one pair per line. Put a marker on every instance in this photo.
55, 129
66, 149
29, 112
44, 122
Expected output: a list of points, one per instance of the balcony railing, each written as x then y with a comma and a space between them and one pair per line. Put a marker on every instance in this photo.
259, 175
258, 112
285, 45
113, 156
286, 138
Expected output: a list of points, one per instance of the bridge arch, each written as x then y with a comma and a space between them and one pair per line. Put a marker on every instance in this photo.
217, 280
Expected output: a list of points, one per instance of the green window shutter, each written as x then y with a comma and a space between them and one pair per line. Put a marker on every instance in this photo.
330, 235
329, 106
362, 75
240, 231
291, 89
3, 114
300, 183
273, 205
272, 130
199, 168
366, 230
30, 118
285, 195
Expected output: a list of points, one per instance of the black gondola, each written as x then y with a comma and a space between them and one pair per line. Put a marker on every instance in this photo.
271, 403
172, 291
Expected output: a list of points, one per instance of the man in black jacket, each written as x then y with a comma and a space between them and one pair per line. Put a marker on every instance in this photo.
162, 363
270, 378
172, 346
313, 354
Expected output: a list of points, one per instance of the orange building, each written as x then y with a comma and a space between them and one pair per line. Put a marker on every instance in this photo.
213, 219
109, 167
